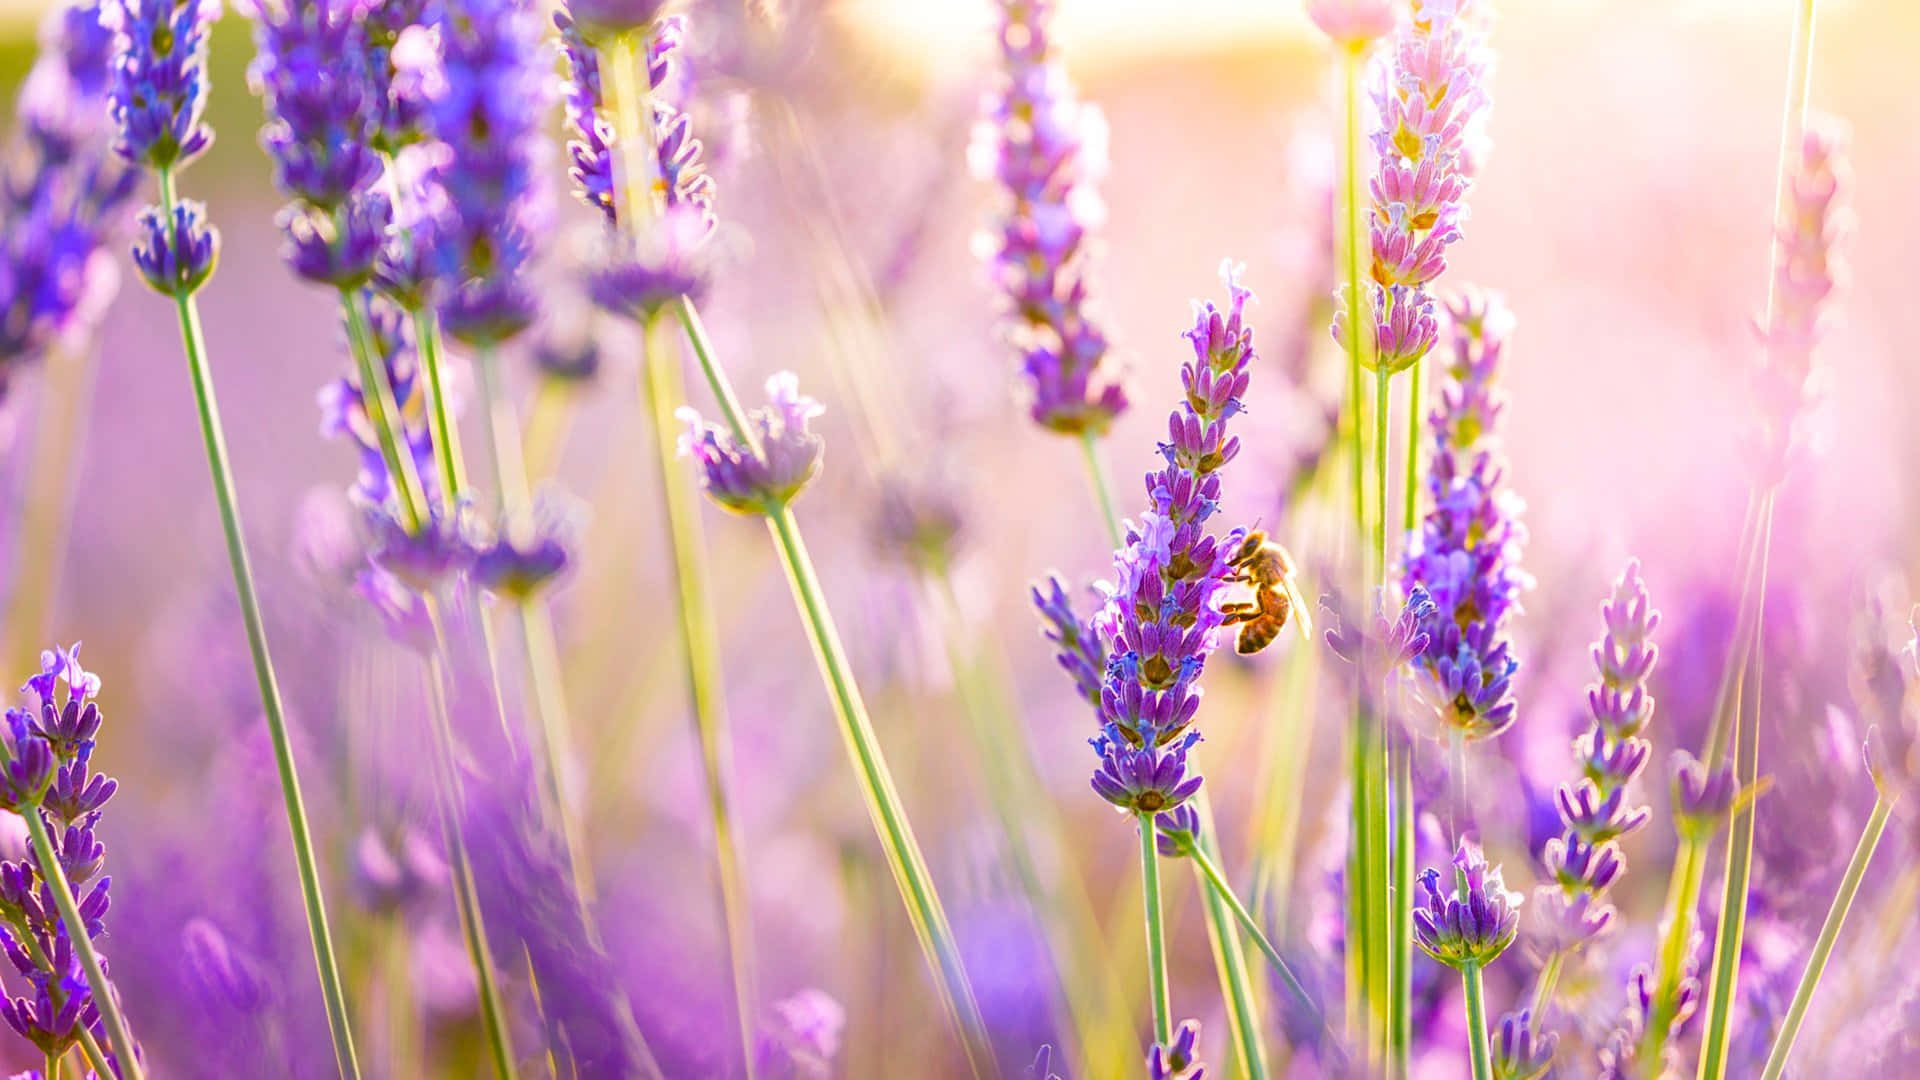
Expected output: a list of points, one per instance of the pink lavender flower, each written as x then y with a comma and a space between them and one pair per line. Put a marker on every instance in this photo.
1429, 99
1474, 920
747, 481
49, 773
1808, 272
1467, 550
1046, 150
488, 117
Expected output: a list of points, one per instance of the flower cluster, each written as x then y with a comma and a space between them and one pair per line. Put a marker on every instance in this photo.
486, 117
48, 774
1474, 920
1467, 550
1429, 101
645, 265
1585, 859
62, 190
1620, 1047
1177, 1060
1808, 271
529, 551
758, 480
1161, 619
1046, 150
157, 96
1519, 1053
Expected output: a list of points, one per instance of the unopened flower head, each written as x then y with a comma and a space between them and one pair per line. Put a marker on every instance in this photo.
529, 551
1470, 921
1518, 1053
1046, 150
176, 253
159, 88
311, 69
1702, 795
1178, 1059
747, 480
1466, 554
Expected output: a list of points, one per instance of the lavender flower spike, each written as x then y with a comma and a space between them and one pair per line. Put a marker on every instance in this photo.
488, 116
159, 87
1518, 1054
1474, 920
1046, 150
48, 780
1162, 620
1808, 272
1584, 861
1466, 553
1430, 102
747, 481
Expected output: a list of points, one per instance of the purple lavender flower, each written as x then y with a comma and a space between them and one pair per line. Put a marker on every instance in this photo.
1161, 619
1619, 1047
159, 88
1518, 1054
1046, 150
339, 248
1388, 644
1474, 920
48, 773
1467, 550
804, 1038
393, 33
176, 253
422, 558
590, 145
1179, 831
600, 20
1077, 645
1701, 795
488, 116
528, 553
311, 69
1585, 860
1429, 100
1808, 272
64, 194
1177, 1060
747, 481
637, 277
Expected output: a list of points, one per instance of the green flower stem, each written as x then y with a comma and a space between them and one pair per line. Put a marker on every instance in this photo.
1414, 417
1102, 490
214, 437
1220, 887
1359, 896
59, 431
1352, 157
1477, 1046
1676, 936
1543, 987
104, 996
383, 413
661, 393
889, 816
1829, 933
545, 433
51, 1071
1156, 930
1237, 987
1737, 879
1382, 400
1086, 980
426, 336
466, 896
1401, 991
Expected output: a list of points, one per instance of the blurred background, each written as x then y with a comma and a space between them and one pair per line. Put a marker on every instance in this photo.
1624, 213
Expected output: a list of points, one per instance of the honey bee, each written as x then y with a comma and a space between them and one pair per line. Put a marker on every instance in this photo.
1269, 569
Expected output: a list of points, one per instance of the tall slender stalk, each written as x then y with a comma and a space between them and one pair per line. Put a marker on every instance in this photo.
1480, 1052
213, 435
473, 928
105, 998
889, 816
661, 393
1400, 1037
1543, 987
383, 414
1237, 988
1156, 931
1411, 516
47, 503
1102, 490
1829, 933
426, 337
1219, 886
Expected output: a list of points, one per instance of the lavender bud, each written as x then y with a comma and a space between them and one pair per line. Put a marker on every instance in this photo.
666, 262
1517, 1054
336, 248
1078, 649
1177, 1060
748, 483
176, 253
424, 558
600, 20
1143, 779
529, 553
1179, 831
1701, 796
1475, 920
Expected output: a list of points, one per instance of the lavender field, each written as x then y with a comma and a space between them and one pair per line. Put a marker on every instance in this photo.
1070, 539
